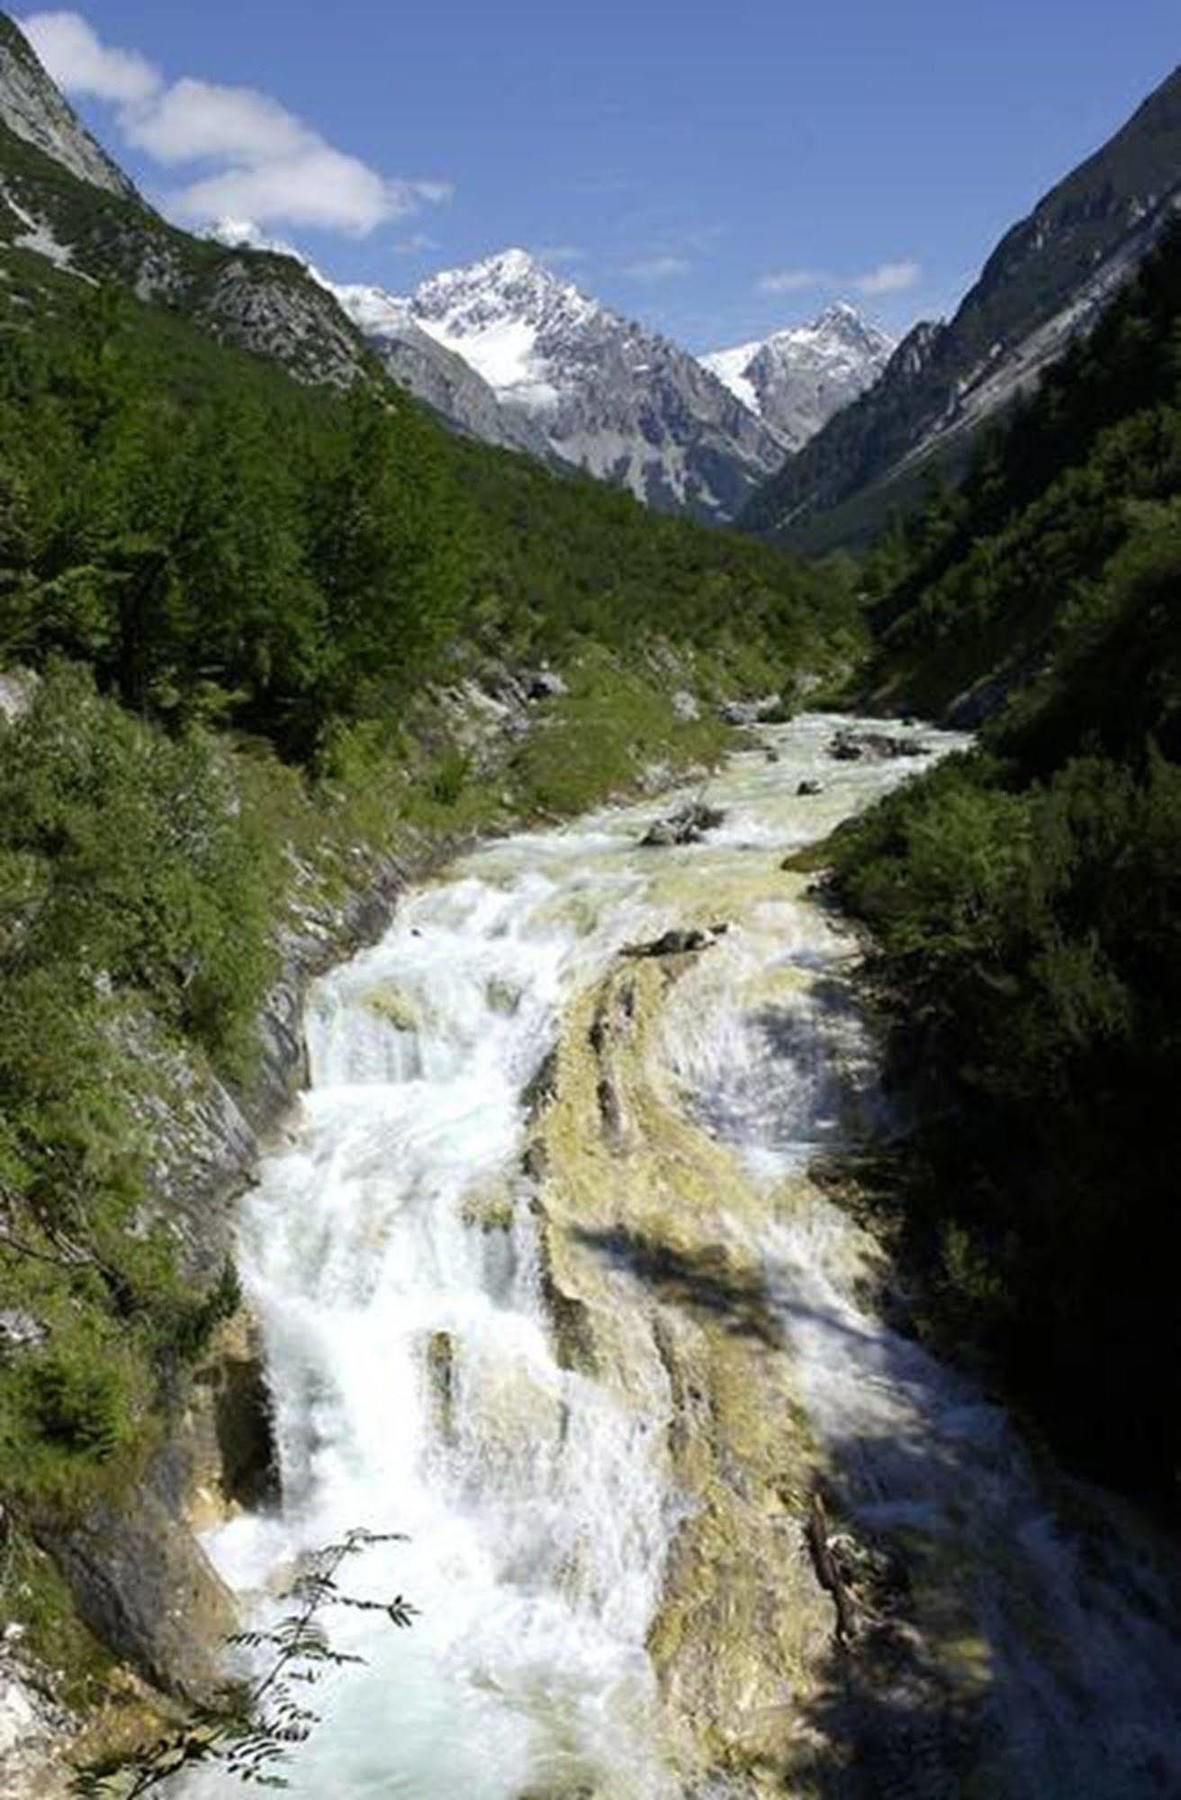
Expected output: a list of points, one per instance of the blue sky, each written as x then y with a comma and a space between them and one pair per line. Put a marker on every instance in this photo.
715, 171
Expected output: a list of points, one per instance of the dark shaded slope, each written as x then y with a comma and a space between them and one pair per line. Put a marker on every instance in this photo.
1047, 280
1026, 901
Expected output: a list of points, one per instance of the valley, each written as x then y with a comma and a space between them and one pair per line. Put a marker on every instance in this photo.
589, 973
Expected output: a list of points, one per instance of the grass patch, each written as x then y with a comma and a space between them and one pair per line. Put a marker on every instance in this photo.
616, 723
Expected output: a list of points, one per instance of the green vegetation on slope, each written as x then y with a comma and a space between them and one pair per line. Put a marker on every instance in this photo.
1026, 900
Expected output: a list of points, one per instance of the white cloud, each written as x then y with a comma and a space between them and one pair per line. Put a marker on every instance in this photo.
79, 63
889, 278
318, 187
244, 234
262, 163
195, 120
793, 281
657, 268
557, 254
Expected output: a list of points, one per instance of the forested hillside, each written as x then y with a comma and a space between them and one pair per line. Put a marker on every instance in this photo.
1026, 899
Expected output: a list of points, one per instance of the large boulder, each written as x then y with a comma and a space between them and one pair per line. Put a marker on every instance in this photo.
688, 825
145, 1587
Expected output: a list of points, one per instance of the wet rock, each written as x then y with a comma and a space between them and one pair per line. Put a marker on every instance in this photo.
535, 1161
489, 1208
848, 745
807, 789
688, 825
770, 754
440, 1365
145, 1587
539, 1090
645, 1285
677, 943
232, 1413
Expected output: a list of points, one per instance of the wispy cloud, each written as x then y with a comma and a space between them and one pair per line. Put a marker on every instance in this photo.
262, 163
657, 268
793, 281
417, 244
887, 278
557, 255
79, 63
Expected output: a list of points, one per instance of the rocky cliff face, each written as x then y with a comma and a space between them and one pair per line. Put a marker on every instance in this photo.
598, 391
796, 380
32, 108
1045, 282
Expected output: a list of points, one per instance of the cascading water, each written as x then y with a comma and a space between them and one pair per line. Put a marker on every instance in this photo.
392, 1256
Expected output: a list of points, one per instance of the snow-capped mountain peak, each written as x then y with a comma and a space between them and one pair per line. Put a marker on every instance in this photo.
505, 316
796, 379
597, 390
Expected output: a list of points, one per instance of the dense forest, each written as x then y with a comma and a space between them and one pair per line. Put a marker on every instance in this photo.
1025, 900
231, 592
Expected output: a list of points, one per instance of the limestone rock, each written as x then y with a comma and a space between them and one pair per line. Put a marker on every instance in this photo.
145, 1587
20, 1331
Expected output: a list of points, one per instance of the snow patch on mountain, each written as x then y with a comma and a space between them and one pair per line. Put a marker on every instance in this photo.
797, 379
596, 390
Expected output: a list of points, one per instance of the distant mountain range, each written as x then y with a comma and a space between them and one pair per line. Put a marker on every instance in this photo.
550, 370
814, 435
1046, 282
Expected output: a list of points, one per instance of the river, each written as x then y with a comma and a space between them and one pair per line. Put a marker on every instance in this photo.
545, 1285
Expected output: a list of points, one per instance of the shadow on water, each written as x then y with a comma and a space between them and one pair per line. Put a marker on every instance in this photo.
1003, 1642
703, 1281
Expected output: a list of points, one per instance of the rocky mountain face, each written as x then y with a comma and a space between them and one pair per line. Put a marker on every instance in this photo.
32, 108
439, 376
603, 393
1045, 283
797, 379
64, 203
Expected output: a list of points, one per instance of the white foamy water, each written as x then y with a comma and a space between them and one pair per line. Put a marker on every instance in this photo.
391, 1257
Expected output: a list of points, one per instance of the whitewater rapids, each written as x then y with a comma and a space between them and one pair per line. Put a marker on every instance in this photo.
398, 1258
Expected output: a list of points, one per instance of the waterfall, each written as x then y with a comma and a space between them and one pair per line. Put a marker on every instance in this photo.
392, 1255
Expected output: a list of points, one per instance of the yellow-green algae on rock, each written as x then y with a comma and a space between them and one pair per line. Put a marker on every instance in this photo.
637, 1226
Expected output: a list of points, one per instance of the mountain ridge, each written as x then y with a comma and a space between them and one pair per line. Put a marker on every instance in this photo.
798, 377
603, 392
1044, 283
